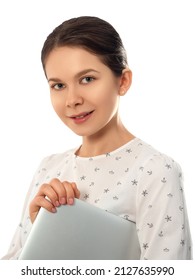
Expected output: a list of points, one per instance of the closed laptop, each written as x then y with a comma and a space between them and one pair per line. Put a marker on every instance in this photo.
81, 232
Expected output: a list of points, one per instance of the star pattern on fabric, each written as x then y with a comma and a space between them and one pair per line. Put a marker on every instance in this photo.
145, 245
106, 190
86, 196
144, 193
133, 182
168, 166
168, 218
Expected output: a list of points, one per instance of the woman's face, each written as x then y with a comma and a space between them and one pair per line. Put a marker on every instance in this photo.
84, 91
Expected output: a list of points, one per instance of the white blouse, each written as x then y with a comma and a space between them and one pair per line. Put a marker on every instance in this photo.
136, 182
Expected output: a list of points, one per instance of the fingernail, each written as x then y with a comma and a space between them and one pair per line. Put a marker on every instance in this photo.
57, 203
62, 200
53, 210
70, 201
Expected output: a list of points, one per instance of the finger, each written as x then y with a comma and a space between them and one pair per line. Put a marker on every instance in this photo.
76, 190
48, 191
69, 192
37, 203
59, 189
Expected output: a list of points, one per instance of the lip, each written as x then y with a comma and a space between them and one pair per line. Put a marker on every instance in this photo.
81, 117
80, 114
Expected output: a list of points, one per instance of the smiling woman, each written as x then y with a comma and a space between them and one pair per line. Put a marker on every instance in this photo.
88, 92
85, 64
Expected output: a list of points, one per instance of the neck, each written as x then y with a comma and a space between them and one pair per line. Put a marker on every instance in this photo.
105, 141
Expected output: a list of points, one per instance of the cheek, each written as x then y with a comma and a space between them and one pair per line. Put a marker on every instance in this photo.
109, 99
106, 94
57, 106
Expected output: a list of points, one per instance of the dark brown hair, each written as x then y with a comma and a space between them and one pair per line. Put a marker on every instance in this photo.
93, 34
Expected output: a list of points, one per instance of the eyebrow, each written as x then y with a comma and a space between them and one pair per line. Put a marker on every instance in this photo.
83, 72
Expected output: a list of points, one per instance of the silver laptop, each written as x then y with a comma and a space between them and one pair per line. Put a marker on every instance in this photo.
81, 232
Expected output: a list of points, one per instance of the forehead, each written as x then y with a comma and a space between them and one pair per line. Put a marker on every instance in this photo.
72, 60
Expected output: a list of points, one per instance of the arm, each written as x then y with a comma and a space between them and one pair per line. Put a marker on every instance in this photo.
161, 213
25, 223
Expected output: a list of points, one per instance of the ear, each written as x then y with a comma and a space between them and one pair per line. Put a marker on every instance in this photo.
125, 81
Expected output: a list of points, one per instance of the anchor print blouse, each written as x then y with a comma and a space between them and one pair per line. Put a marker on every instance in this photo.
135, 182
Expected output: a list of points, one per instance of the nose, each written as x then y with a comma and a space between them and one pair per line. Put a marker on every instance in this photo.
73, 98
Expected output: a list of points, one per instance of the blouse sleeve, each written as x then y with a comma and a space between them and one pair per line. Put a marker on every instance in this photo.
161, 214
16, 243
24, 225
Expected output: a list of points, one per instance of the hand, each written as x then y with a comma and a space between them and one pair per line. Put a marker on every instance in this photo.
52, 195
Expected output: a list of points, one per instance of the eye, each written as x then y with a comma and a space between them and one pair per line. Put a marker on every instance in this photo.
58, 86
87, 80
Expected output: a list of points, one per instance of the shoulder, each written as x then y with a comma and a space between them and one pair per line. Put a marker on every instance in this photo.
157, 164
160, 179
150, 155
56, 159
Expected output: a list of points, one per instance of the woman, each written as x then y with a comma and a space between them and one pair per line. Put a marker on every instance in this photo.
86, 66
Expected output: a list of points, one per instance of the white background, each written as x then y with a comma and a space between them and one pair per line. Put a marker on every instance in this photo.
159, 107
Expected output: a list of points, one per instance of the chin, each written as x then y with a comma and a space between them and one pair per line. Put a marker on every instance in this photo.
79, 132
88, 130
84, 132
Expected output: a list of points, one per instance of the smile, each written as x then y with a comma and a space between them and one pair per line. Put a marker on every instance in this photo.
82, 117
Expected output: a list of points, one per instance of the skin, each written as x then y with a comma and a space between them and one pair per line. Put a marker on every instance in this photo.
81, 84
